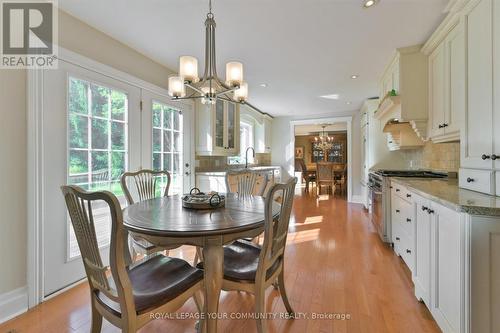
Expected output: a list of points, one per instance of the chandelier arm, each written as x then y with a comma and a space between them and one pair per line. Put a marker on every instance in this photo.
187, 97
227, 91
212, 39
187, 84
224, 98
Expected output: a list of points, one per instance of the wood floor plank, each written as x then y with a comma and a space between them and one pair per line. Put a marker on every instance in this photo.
335, 263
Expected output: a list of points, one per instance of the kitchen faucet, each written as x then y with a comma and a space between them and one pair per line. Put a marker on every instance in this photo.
246, 156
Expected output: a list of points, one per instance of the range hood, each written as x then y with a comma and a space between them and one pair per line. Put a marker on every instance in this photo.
402, 135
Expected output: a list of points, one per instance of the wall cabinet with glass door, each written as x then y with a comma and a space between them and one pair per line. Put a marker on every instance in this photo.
218, 128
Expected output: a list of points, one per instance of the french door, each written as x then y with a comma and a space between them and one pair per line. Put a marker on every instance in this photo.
94, 129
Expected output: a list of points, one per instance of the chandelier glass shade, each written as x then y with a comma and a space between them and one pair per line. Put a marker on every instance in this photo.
209, 87
323, 140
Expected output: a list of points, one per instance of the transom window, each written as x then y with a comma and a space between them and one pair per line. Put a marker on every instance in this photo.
167, 143
98, 145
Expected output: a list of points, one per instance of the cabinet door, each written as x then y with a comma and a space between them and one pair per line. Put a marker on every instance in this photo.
267, 132
455, 59
446, 268
496, 93
437, 90
477, 138
232, 128
422, 271
219, 125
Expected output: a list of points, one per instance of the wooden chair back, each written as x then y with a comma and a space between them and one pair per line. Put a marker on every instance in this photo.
246, 182
276, 229
79, 204
324, 172
146, 182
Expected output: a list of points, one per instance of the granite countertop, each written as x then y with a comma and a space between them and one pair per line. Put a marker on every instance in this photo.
447, 193
223, 172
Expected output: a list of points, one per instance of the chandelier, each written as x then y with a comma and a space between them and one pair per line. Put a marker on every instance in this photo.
209, 88
323, 140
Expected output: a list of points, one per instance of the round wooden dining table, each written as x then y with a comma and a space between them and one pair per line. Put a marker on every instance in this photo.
164, 222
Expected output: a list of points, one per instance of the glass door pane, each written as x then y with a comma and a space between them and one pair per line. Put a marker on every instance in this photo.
219, 124
231, 122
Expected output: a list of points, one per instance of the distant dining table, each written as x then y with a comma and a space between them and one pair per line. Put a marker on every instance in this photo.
164, 222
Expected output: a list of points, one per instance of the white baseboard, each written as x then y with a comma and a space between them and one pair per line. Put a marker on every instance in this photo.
13, 303
358, 199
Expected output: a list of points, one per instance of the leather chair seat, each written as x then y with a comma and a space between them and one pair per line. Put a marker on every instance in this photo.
155, 282
241, 259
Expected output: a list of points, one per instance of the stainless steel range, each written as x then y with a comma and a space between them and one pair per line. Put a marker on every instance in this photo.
379, 186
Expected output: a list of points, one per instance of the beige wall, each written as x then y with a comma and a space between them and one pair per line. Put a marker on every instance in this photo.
83, 39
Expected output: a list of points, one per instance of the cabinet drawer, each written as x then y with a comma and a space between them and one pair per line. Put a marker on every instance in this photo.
407, 217
401, 191
477, 180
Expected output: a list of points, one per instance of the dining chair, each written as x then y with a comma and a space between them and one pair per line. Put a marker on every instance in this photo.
127, 295
245, 182
308, 176
341, 179
325, 176
252, 268
147, 186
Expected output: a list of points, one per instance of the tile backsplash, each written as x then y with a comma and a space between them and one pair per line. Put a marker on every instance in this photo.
435, 156
216, 163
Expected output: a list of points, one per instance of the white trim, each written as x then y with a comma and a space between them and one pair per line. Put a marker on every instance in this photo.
291, 147
13, 303
35, 186
35, 157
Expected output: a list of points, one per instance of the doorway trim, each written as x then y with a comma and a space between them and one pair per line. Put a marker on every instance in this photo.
316, 121
35, 158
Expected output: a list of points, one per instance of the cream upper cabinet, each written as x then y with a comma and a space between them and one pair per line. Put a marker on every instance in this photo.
218, 129
477, 136
263, 132
447, 86
437, 97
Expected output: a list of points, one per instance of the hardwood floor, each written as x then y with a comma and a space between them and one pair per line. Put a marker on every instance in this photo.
335, 264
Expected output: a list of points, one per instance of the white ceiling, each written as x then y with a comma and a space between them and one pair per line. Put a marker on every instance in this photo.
301, 48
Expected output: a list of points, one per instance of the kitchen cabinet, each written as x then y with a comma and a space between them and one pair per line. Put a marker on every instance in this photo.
263, 132
446, 268
422, 271
477, 137
211, 182
218, 129
402, 225
447, 86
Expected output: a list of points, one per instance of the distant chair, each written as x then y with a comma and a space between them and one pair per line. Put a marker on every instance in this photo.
245, 182
341, 179
126, 294
325, 176
146, 187
253, 268
308, 176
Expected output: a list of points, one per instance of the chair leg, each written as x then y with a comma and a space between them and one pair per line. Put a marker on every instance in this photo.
96, 320
197, 257
284, 297
260, 309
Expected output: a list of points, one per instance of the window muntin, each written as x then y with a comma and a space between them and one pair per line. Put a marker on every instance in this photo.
168, 144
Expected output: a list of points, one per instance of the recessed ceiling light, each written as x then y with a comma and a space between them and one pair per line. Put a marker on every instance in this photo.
348, 103
354, 77
263, 85
369, 3
332, 96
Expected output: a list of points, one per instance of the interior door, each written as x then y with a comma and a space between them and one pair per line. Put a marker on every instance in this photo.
91, 134
168, 128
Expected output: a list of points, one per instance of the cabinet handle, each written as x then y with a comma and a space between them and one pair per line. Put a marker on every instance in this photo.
408, 220
408, 251
397, 210
470, 180
397, 190
397, 238
441, 126
486, 157
430, 211
424, 208
494, 157
408, 195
